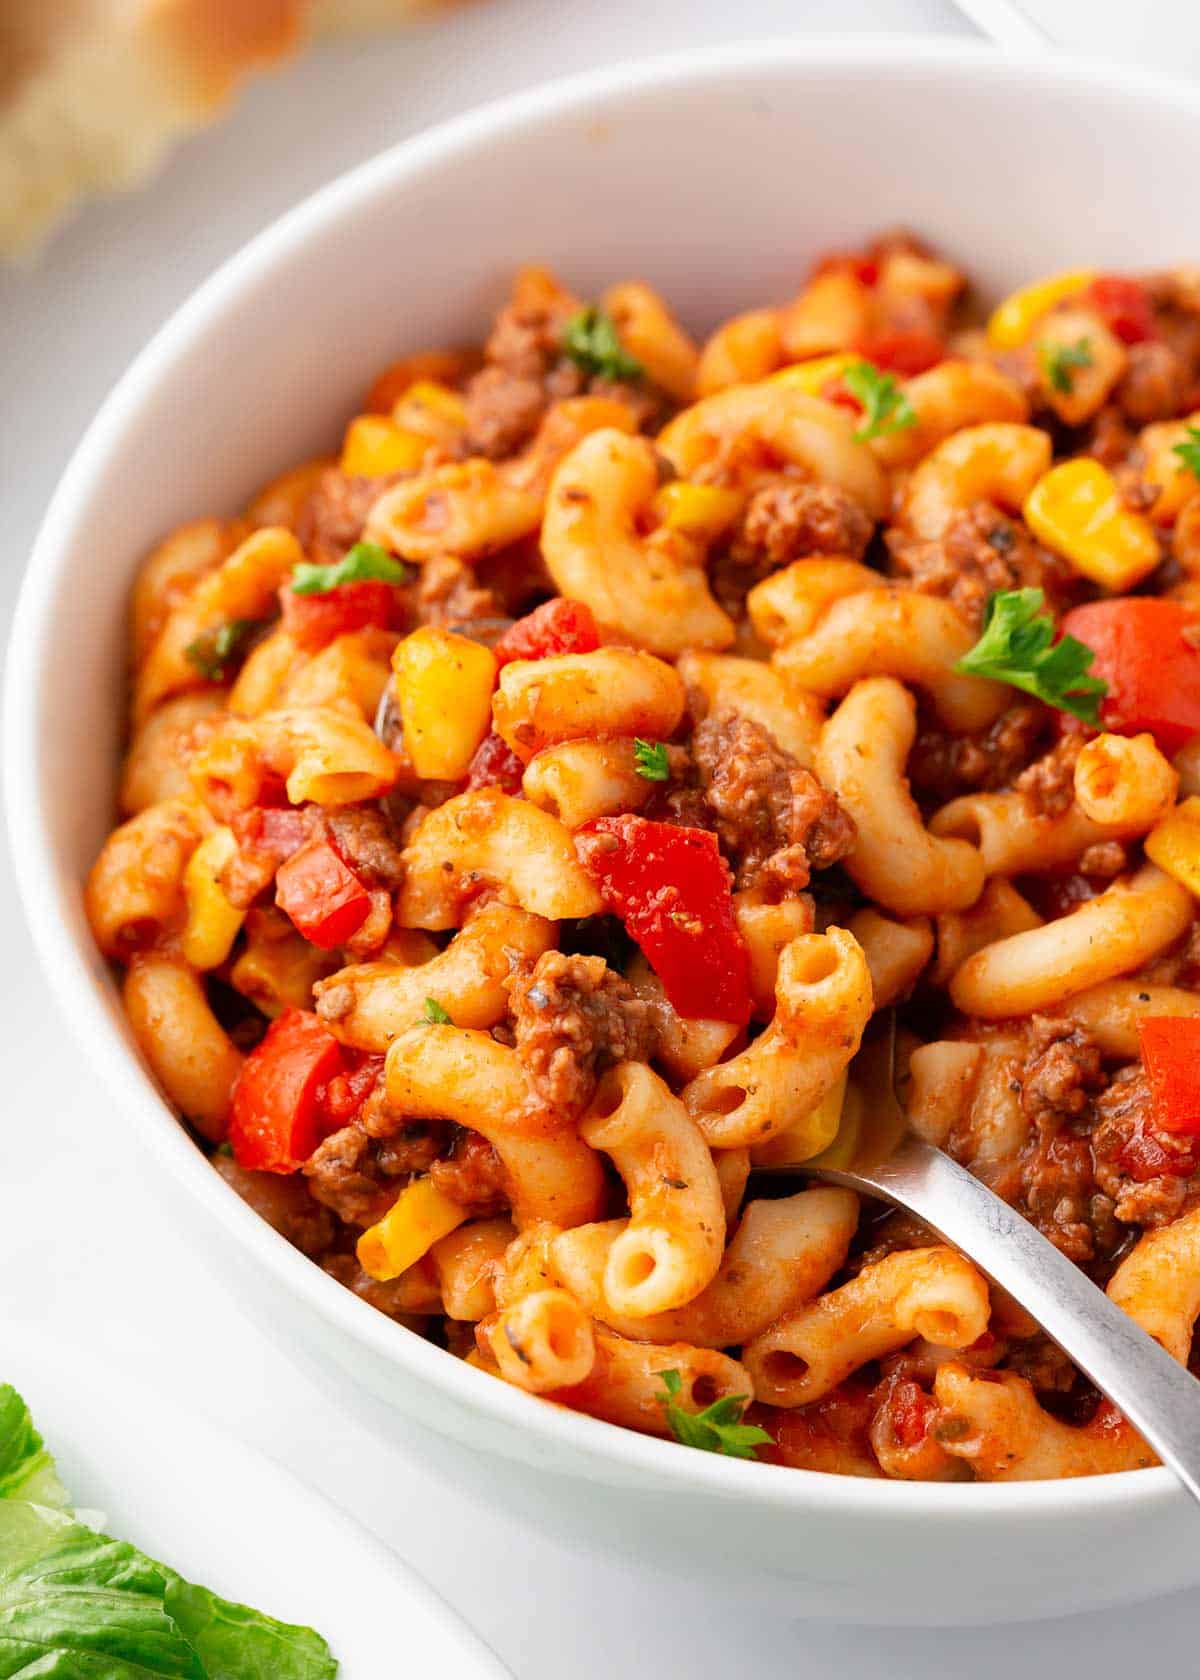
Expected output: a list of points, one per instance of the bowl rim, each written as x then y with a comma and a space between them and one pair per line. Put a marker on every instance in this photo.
72, 970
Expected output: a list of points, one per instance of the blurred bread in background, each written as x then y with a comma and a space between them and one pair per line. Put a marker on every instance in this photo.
93, 93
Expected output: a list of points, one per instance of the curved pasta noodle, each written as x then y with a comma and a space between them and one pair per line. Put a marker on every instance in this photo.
1124, 782
189, 1052
755, 690
1109, 935
896, 860
672, 1245
613, 691
767, 927
813, 436
995, 1425
156, 765
787, 605
578, 781
466, 1262
1158, 1284
649, 331
487, 838
326, 756
134, 890
896, 952
686, 1045
929, 1292
946, 398
369, 1004
651, 587
1110, 1012
823, 1003
741, 351
626, 1382
781, 1255
997, 463
451, 1073
894, 632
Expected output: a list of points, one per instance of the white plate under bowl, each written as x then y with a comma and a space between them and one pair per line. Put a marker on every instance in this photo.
228, 1518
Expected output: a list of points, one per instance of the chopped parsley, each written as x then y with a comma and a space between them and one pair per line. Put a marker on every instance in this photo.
435, 1014
885, 407
1189, 451
1018, 647
590, 339
1059, 361
216, 651
365, 563
651, 757
718, 1428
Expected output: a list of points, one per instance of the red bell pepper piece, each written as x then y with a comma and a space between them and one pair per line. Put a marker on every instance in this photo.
671, 887
864, 269
558, 626
1152, 672
314, 620
836, 391
346, 1092
904, 353
321, 893
495, 764
277, 831
1124, 307
1170, 1046
277, 1117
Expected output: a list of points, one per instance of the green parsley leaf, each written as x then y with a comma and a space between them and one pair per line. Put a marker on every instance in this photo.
1018, 647
718, 1428
213, 653
365, 563
885, 407
1189, 451
436, 1014
1058, 361
651, 757
590, 338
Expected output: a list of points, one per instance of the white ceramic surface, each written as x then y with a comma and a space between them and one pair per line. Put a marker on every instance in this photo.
715, 176
228, 1518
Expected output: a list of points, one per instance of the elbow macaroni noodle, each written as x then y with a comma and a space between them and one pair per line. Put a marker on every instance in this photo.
506, 942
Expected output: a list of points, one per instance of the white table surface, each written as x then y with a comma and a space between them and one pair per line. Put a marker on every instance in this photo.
84, 1249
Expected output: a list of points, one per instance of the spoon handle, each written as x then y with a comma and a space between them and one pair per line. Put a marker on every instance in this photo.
1159, 1396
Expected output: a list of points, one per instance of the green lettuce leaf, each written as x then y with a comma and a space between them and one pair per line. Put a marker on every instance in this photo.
234, 1642
26, 1468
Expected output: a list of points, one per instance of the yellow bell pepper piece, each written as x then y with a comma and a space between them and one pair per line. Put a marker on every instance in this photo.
418, 1217
813, 375
1076, 510
443, 686
1175, 844
843, 1149
436, 400
212, 921
807, 1137
375, 445
1012, 323
702, 511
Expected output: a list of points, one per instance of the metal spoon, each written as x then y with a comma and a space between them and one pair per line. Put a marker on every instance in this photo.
1159, 1396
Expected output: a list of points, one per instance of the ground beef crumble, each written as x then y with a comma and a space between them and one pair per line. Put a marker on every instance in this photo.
473, 1175
573, 1017
332, 517
941, 766
1148, 1173
1059, 1080
1049, 784
359, 1175
981, 551
785, 522
774, 819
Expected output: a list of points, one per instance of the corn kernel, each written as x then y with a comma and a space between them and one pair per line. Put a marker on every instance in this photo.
1076, 510
703, 511
212, 921
813, 375
806, 1137
375, 445
1175, 844
1012, 323
443, 685
418, 1218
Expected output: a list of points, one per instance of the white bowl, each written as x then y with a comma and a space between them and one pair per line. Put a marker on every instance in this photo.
714, 175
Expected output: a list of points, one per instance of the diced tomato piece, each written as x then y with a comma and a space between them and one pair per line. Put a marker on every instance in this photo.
1124, 307
321, 893
910, 1412
672, 889
558, 626
905, 353
276, 830
495, 764
314, 620
1170, 1047
1152, 672
346, 1092
276, 1119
